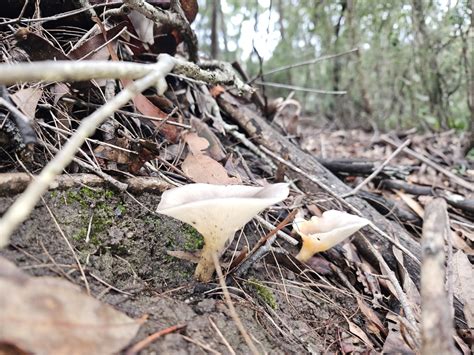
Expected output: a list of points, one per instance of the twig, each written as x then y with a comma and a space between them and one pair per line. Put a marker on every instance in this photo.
64, 70
22, 207
436, 307
280, 233
224, 340
401, 295
14, 183
263, 246
176, 20
151, 338
439, 168
376, 171
299, 88
233, 312
200, 344
81, 269
308, 62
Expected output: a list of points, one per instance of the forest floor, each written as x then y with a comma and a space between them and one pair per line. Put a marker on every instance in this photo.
89, 270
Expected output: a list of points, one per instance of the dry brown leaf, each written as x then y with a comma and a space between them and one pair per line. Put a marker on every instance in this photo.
45, 315
462, 239
410, 201
27, 100
195, 143
143, 27
408, 285
395, 343
201, 168
463, 285
147, 108
375, 324
215, 149
216, 91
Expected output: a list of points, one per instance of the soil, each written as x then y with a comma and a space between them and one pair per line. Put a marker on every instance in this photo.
123, 246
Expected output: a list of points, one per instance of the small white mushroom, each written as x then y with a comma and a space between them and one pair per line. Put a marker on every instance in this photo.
217, 212
322, 233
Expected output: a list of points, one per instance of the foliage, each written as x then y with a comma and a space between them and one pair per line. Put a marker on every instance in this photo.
410, 69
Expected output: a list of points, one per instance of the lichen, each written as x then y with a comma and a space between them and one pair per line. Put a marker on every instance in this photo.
263, 292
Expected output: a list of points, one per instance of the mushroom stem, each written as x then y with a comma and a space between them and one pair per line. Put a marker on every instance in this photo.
213, 245
309, 248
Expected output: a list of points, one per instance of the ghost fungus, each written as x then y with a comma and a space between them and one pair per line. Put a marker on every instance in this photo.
322, 233
217, 212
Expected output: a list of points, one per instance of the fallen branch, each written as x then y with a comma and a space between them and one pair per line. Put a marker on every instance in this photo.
456, 201
14, 183
94, 69
436, 307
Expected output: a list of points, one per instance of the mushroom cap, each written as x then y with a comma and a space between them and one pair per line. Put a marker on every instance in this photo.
216, 210
322, 233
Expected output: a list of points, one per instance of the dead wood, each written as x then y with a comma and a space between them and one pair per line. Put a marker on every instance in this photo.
456, 201
260, 131
14, 183
363, 168
436, 308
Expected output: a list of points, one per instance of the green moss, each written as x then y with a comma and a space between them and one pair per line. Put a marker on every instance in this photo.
263, 292
53, 194
103, 208
193, 240
121, 209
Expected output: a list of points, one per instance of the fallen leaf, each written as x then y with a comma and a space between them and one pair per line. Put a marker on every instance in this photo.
216, 91
201, 168
46, 315
395, 343
27, 100
411, 202
195, 143
143, 27
147, 108
215, 149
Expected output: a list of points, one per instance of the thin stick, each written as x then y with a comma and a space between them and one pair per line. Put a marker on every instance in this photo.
151, 338
202, 345
300, 88
233, 312
455, 178
81, 269
308, 62
224, 340
22, 207
280, 233
376, 171
264, 245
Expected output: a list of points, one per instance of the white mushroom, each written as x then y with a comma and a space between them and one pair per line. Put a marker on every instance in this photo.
217, 212
322, 233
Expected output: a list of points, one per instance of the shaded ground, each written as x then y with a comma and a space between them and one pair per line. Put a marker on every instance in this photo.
127, 266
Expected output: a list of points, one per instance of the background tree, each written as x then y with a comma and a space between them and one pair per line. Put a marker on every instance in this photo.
412, 68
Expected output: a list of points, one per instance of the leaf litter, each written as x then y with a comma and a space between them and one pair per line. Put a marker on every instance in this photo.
344, 301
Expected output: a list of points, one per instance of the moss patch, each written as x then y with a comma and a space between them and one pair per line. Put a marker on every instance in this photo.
99, 210
263, 293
